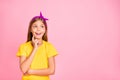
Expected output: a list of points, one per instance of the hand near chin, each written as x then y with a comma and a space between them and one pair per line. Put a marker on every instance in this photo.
35, 42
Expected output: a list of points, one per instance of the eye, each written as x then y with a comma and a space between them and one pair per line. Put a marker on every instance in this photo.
34, 26
42, 26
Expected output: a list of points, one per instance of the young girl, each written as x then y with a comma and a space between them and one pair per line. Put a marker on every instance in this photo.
37, 56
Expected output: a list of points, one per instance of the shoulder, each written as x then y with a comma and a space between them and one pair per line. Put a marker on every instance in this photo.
25, 44
51, 50
47, 43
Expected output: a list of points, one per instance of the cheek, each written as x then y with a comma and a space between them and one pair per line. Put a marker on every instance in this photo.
44, 30
33, 29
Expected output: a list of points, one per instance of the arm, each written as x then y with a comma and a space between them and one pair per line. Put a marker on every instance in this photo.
44, 72
26, 62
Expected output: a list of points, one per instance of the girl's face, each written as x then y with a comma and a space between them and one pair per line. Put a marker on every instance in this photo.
38, 29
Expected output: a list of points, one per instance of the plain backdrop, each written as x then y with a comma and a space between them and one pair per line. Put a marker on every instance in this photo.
86, 34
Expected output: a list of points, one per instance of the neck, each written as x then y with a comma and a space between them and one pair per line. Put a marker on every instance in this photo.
40, 41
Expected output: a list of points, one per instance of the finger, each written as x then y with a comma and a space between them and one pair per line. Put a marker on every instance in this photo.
36, 40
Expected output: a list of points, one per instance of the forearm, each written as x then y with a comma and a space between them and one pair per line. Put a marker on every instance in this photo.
25, 65
42, 72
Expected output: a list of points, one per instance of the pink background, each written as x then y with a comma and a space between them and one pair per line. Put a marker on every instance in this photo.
86, 34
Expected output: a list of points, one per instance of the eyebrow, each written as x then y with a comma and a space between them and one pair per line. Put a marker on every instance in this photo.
39, 25
33, 24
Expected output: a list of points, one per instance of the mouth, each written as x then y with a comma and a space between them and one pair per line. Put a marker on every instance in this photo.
38, 34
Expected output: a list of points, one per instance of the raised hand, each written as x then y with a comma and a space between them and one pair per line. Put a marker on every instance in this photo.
35, 42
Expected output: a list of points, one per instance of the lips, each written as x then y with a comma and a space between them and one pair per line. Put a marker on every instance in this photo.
38, 34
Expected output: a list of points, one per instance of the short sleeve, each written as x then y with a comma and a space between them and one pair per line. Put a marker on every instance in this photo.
51, 50
21, 51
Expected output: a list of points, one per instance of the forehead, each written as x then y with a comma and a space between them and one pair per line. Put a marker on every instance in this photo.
38, 22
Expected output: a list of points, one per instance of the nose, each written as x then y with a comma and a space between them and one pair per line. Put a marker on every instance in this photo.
38, 28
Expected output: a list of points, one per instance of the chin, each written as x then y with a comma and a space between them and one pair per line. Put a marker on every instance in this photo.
38, 37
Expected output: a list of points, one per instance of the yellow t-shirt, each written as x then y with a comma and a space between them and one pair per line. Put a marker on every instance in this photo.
40, 60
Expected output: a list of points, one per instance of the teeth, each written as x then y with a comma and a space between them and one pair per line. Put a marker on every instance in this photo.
38, 33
